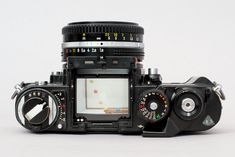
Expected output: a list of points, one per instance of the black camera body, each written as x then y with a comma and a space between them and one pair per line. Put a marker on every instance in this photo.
104, 88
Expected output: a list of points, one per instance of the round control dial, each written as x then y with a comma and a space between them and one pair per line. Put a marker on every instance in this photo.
37, 109
153, 105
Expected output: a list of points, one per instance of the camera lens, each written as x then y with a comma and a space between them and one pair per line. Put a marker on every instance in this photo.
103, 39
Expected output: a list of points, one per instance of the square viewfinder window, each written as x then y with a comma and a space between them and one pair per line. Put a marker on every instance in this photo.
102, 95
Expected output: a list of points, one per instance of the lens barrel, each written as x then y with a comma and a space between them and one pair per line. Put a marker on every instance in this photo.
103, 39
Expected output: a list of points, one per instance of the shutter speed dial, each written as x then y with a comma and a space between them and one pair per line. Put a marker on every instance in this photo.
37, 109
153, 105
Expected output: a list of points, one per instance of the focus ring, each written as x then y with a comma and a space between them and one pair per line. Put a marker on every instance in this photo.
102, 27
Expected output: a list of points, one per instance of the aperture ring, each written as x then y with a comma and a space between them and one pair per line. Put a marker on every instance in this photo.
138, 53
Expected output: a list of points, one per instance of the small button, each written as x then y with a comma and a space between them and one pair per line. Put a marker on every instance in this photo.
59, 126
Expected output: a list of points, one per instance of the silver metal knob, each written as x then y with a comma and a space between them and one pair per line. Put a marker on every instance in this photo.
188, 105
153, 106
152, 71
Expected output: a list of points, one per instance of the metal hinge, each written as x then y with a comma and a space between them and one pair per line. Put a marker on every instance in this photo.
218, 90
18, 89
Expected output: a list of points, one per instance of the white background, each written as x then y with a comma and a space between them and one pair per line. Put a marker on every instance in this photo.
183, 38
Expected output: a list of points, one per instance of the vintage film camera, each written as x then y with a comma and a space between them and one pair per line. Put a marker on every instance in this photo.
104, 88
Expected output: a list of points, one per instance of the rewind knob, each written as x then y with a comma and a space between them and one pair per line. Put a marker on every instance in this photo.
37, 109
153, 105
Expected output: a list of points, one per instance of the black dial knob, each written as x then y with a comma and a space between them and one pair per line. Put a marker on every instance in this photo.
37, 109
153, 105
